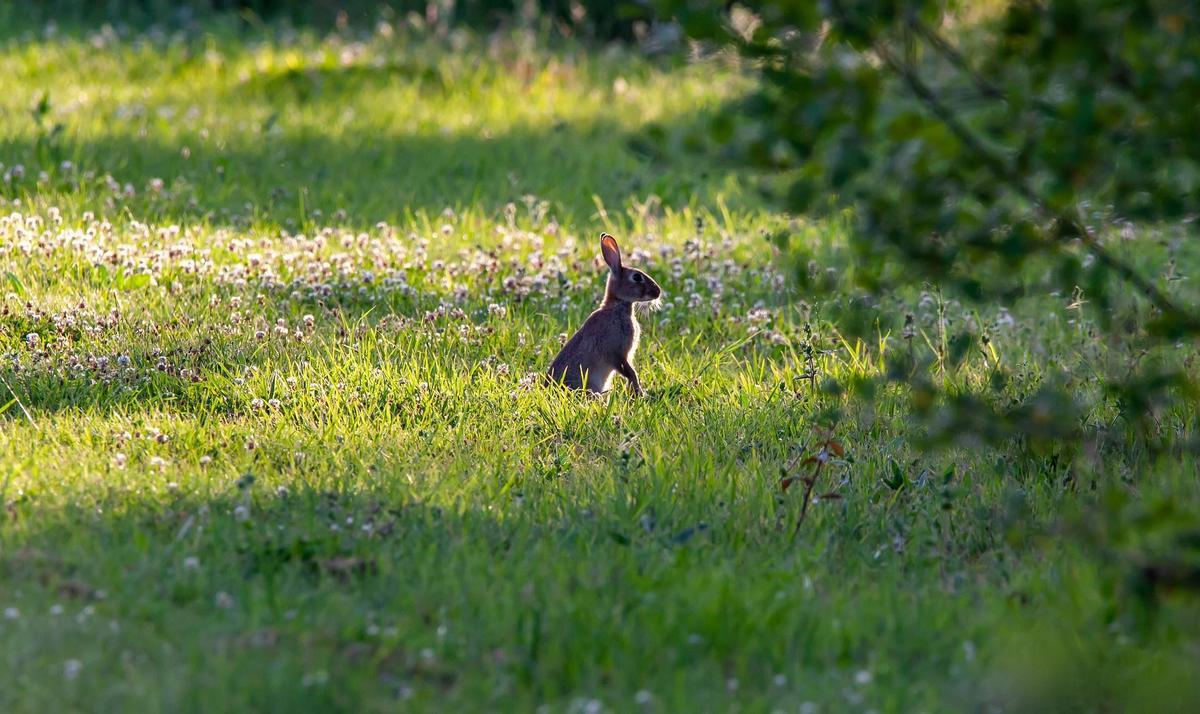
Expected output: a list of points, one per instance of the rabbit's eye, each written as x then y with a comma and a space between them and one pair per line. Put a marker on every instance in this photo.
637, 277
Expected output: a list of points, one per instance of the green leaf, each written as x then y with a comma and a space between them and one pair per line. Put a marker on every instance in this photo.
896, 479
134, 282
17, 286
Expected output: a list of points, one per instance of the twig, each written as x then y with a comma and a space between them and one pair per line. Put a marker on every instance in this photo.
829, 447
809, 484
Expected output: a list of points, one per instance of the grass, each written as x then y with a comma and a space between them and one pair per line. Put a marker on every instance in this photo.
272, 440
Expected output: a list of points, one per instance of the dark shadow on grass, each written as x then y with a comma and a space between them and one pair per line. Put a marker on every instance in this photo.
353, 177
603, 20
296, 578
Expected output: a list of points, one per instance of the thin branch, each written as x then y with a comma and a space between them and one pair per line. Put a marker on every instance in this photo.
983, 85
1075, 226
809, 484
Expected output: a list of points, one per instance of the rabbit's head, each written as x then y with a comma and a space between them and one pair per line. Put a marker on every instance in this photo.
626, 284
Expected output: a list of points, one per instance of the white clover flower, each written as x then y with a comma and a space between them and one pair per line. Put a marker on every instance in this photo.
71, 668
758, 315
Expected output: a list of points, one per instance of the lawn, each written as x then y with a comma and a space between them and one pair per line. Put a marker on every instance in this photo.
273, 440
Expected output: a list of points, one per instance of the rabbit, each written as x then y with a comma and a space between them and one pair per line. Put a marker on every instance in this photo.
607, 340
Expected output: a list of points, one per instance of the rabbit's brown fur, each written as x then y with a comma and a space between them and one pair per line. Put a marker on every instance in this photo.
608, 339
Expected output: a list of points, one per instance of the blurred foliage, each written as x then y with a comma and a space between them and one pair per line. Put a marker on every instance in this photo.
1006, 161
599, 19
1022, 152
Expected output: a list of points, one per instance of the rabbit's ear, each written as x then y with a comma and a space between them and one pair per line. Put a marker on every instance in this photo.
612, 254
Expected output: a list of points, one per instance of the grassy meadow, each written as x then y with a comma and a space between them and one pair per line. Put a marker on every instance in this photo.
274, 307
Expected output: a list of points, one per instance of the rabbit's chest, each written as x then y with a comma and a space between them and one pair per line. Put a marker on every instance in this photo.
634, 334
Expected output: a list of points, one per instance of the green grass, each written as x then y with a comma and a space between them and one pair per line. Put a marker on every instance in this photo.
271, 440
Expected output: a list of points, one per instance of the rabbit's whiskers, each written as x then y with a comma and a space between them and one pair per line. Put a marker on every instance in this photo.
650, 305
